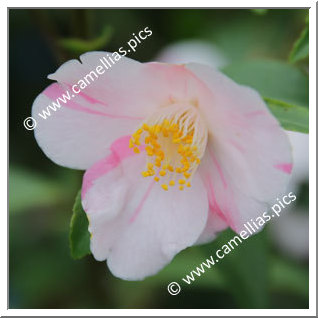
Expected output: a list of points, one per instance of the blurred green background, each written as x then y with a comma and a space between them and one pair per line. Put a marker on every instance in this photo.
42, 274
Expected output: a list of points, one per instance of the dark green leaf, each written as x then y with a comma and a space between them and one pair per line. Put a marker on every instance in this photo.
283, 87
28, 189
259, 11
79, 46
246, 270
183, 264
272, 79
291, 117
289, 277
79, 235
300, 49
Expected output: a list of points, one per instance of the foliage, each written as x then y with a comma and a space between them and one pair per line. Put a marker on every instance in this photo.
79, 46
79, 235
283, 87
300, 49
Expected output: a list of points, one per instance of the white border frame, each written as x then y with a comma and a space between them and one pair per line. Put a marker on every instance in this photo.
312, 163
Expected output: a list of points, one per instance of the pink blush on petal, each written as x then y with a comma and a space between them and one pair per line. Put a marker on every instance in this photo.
237, 146
140, 205
218, 167
120, 151
55, 91
255, 113
90, 99
213, 204
285, 167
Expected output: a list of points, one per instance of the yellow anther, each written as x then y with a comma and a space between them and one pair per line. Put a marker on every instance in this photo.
165, 132
166, 122
155, 144
161, 154
145, 173
164, 187
170, 168
184, 160
180, 149
188, 140
187, 175
157, 129
162, 173
176, 153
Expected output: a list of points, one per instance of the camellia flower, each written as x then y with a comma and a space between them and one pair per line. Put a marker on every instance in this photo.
173, 154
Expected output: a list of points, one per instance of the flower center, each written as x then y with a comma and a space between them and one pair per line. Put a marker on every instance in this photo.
175, 138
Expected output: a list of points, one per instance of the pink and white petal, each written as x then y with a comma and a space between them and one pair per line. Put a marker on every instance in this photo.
119, 90
174, 80
167, 223
127, 87
248, 157
214, 225
79, 130
230, 204
135, 225
76, 135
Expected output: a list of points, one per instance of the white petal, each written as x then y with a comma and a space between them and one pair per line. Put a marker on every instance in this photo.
75, 138
248, 158
137, 225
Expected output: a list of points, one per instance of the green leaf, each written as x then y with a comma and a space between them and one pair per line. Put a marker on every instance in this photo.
288, 277
183, 264
283, 87
291, 117
79, 46
79, 235
272, 79
259, 11
246, 269
300, 49
29, 189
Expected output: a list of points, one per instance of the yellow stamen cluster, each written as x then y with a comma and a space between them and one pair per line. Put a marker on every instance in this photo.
172, 153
